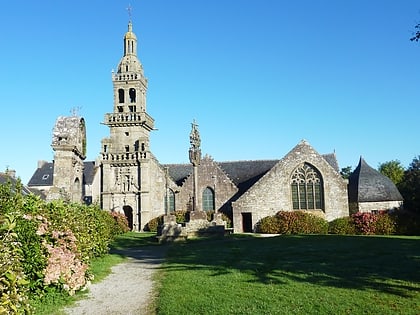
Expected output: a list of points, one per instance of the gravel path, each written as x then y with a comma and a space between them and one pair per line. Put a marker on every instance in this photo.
128, 289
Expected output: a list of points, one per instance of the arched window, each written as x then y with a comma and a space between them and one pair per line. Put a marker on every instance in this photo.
170, 201
121, 96
132, 94
208, 199
307, 188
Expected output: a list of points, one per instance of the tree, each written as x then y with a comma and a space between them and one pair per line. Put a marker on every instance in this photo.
416, 36
346, 172
393, 170
410, 186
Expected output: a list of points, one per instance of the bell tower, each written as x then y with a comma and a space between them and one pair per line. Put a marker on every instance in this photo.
125, 156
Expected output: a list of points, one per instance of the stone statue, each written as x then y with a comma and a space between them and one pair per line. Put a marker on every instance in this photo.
195, 151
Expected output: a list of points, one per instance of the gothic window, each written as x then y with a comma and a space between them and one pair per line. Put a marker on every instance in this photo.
170, 201
307, 188
121, 96
208, 199
132, 93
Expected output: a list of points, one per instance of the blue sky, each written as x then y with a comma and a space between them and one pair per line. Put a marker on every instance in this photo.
257, 75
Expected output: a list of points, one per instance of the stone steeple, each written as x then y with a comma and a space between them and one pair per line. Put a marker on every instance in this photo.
125, 154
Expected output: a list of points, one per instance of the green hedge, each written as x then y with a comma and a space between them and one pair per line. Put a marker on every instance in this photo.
48, 245
292, 222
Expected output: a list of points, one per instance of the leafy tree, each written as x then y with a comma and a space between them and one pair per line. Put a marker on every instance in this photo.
416, 36
393, 170
410, 186
346, 172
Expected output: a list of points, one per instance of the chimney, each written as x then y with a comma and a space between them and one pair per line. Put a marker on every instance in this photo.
11, 173
41, 163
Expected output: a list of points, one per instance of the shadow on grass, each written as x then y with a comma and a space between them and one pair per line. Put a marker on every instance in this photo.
385, 264
143, 247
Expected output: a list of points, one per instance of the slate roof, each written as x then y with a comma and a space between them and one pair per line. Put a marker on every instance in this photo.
331, 159
244, 174
369, 185
43, 176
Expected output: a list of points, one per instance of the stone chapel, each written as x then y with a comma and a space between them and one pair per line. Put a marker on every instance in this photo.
129, 179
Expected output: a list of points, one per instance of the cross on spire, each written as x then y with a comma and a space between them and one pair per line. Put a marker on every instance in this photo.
130, 11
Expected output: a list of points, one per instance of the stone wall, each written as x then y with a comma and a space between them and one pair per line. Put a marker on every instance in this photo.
272, 192
378, 206
209, 175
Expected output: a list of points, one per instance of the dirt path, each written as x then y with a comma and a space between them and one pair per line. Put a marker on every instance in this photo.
128, 289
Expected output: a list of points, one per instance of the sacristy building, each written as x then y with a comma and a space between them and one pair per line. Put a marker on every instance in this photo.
128, 178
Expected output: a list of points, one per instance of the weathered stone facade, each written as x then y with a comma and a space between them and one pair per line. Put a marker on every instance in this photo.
273, 191
128, 178
211, 176
69, 144
132, 181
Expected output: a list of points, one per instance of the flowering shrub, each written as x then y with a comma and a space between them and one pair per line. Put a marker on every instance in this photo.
44, 245
122, 222
364, 222
65, 268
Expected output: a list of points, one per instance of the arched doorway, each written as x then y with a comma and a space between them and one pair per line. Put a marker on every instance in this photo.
128, 212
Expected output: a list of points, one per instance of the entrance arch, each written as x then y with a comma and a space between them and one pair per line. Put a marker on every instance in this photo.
128, 212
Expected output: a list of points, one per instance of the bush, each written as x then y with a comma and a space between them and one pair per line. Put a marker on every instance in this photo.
181, 216
364, 222
153, 224
407, 223
300, 222
268, 225
385, 224
341, 226
13, 282
47, 245
293, 222
122, 223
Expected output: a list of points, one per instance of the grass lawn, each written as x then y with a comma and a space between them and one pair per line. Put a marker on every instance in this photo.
313, 274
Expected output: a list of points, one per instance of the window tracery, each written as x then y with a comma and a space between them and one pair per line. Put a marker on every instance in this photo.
307, 188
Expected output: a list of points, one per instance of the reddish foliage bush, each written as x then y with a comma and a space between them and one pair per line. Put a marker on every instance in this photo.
364, 222
121, 221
